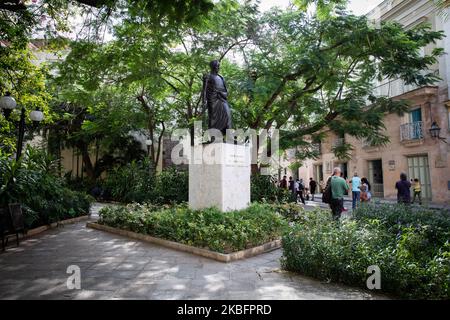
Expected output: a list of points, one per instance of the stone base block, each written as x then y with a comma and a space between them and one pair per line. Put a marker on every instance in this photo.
219, 176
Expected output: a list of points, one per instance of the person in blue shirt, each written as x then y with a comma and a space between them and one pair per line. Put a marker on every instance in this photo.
356, 192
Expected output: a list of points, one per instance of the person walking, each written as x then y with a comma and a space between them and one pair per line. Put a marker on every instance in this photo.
312, 187
338, 188
356, 192
417, 191
403, 187
291, 184
283, 183
300, 190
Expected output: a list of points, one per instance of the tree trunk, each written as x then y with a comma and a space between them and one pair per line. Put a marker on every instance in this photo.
89, 168
160, 142
255, 169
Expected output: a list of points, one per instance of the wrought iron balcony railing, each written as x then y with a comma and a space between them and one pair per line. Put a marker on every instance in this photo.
411, 131
317, 148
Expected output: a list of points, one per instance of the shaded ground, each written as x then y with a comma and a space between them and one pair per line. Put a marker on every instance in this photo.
114, 267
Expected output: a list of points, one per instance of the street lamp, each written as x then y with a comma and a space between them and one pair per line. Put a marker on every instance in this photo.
36, 116
435, 131
7, 104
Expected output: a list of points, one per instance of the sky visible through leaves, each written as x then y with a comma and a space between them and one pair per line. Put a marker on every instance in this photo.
358, 7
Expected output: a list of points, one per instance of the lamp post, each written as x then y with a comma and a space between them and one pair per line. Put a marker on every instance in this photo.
7, 104
435, 132
148, 143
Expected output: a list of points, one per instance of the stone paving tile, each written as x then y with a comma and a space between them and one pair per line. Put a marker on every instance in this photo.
139, 291
92, 295
114, 267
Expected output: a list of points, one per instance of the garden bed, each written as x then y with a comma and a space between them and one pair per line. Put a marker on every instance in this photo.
222, 236
410, 246
222, 257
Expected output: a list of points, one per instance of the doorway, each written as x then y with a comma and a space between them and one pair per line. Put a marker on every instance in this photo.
418, 167
376, 178
344, 169
318, 175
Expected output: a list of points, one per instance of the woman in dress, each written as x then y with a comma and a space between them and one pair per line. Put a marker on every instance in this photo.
365, 187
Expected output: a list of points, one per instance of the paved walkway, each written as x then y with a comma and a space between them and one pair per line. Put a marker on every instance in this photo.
114, 267
348, 202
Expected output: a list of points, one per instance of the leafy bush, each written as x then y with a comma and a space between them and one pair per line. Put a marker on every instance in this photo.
435, 224
45, 197
172, 186
412, 264
264, 189
209, 228
292, 212
135, 182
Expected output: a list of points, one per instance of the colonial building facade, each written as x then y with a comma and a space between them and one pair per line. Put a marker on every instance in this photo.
412, 149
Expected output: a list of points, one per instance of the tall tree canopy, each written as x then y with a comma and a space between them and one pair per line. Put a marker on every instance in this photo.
296, 70
302, 74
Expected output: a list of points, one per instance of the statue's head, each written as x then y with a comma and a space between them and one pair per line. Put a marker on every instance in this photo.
215, 66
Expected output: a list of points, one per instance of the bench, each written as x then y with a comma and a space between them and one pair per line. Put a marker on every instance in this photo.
12, 222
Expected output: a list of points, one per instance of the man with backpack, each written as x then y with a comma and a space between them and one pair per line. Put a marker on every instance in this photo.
300, 190
334, 193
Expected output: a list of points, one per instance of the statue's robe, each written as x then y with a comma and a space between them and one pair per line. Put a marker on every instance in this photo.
219, 113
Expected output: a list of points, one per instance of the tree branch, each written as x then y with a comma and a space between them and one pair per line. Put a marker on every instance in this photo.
231, 47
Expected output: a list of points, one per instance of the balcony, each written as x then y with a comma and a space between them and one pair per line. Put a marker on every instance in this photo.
316, 148
411, 132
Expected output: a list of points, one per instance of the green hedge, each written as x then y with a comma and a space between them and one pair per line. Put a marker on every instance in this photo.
264, 189
44, 196
414, 262
135, 182
210, 228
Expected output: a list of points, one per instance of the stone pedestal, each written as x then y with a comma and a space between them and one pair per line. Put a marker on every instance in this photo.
219, 176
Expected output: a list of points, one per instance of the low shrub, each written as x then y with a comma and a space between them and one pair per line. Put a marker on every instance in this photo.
136, 182
133, 182
411, 265
44, 196
172, 186
291, 211
265, 189
435, 224
209, 228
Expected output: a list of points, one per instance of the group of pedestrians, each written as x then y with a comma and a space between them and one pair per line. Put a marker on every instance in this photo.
361, 190
337, 187
298, 189
403, 187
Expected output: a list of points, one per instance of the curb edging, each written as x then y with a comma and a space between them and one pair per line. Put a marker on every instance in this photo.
38, 230
222, 257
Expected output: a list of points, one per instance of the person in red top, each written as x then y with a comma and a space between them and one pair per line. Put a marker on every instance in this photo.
283, 183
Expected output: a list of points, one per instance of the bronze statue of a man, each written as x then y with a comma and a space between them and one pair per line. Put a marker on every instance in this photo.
215, 96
